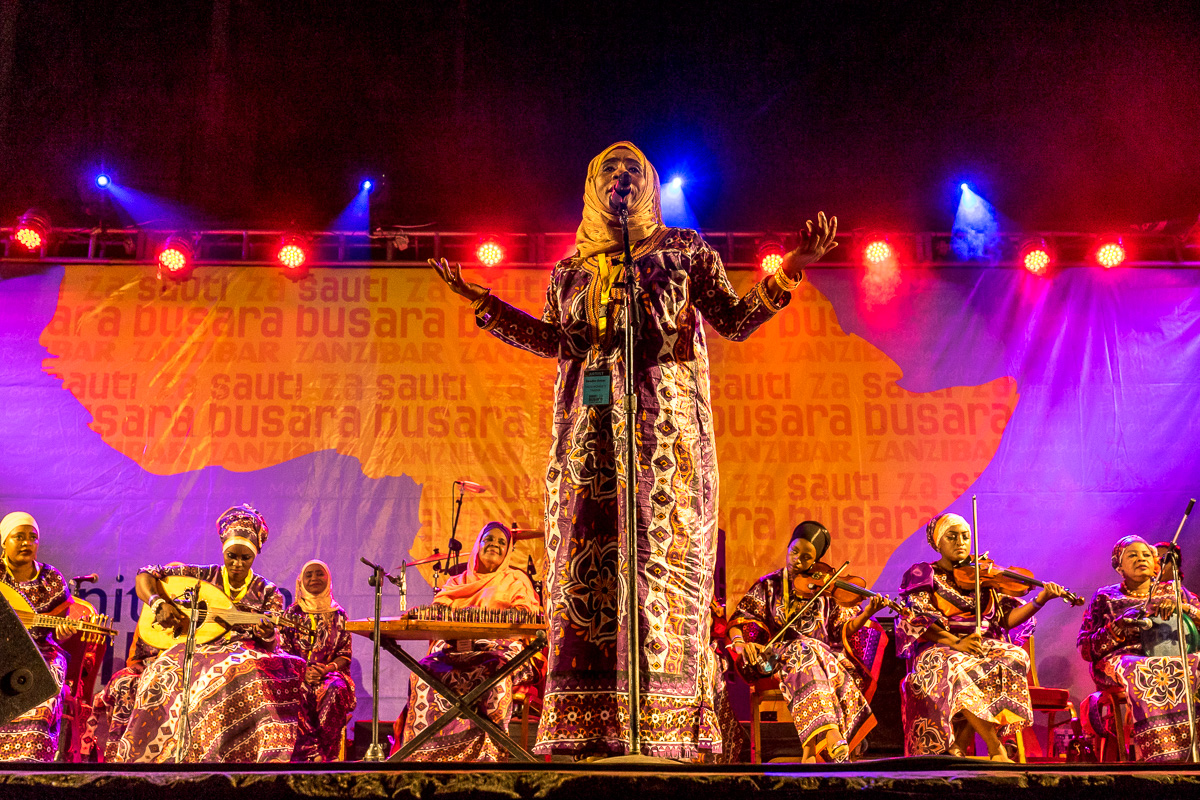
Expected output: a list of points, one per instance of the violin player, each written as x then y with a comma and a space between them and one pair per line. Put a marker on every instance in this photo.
962, 680
818, 678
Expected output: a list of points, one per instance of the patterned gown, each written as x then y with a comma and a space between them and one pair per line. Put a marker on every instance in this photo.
113, 706
822, 686
943, 682
326, 708
683, 282
245, 699
1154, 686
33, 736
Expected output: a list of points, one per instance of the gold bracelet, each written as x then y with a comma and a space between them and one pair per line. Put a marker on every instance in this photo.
478, 302
786, 283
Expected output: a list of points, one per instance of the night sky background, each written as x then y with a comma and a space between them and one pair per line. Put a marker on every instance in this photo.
1065, 116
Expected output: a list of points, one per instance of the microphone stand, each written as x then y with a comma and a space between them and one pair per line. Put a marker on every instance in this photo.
185, 700
375, 751
633, 634
1183, 654
454, 547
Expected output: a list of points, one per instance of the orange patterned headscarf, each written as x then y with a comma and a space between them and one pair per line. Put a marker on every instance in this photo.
505, 587
599, 232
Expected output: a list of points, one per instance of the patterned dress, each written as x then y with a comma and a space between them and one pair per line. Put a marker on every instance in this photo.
245, 698
1153, 686
822, 686
462, 740
942, 682
33, 736
326, 708
683, 282
114, 705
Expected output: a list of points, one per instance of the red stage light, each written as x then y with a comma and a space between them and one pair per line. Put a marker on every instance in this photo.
33, 230
1110, 254
489, 252
293, 255
770, 254
176, 259
1035, 257
878, 251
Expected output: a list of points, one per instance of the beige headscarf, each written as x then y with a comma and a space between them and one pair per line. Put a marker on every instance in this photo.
599, 232
13, 521
939, 525
316, 603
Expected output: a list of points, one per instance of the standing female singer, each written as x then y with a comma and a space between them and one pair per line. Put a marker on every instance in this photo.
324, 643
33, 736
489, 582
1111, 640
816, 676
682, 282
245, 694
962, 681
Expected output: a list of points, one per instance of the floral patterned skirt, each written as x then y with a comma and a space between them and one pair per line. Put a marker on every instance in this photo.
1158, 701
822, 694
244, 707
944, 682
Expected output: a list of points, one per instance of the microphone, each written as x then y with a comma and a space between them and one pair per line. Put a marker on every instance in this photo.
1142, 623
92, 578
620, 192
471, 486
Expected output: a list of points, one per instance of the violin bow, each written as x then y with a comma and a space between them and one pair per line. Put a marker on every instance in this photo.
975, 547
827, 585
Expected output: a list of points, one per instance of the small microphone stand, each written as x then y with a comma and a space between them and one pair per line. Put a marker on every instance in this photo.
633, 634
375, 751
454, 546
185, 701
1183, 653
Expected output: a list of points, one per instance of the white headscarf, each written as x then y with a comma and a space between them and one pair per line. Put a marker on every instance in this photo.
13, 521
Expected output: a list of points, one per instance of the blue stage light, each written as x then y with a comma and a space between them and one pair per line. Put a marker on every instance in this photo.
677, 182
964, 187
103, 180
367, 185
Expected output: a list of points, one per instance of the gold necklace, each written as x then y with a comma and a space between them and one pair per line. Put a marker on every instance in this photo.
1132, 593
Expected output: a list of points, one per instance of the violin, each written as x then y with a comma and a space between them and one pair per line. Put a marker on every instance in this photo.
1013, 581
847, 590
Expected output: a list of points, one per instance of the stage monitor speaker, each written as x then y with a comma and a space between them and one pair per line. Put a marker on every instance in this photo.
25, 680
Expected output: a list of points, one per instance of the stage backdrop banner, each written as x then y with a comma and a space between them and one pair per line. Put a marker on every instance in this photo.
345, 404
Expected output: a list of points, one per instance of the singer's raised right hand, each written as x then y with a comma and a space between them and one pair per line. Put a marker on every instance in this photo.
452, 275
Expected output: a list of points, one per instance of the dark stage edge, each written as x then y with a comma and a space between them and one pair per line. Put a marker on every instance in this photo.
617, 781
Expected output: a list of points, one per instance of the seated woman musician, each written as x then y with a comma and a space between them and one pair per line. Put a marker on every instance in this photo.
962, 681
1114, 638
33, 736
323, 642
489, 582
816, 674
244, 699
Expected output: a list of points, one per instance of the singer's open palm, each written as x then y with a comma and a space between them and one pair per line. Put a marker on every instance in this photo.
452, 275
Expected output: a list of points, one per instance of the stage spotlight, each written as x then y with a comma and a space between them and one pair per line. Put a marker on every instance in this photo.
489, 252
877, 251
770, 254
33, 230
176, 258
1034, 256
964, 187
293, 255
103, 180
367, 185
1110, 253
677, 182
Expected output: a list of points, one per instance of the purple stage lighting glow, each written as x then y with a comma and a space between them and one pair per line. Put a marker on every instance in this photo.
103, 180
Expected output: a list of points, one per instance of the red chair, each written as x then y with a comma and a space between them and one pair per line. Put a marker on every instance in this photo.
1046, 699
84, 660
1106, 717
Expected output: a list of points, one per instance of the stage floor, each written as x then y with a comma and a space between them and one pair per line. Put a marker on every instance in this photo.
614, 780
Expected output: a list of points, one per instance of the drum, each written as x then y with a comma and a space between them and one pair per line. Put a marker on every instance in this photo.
1162, 638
